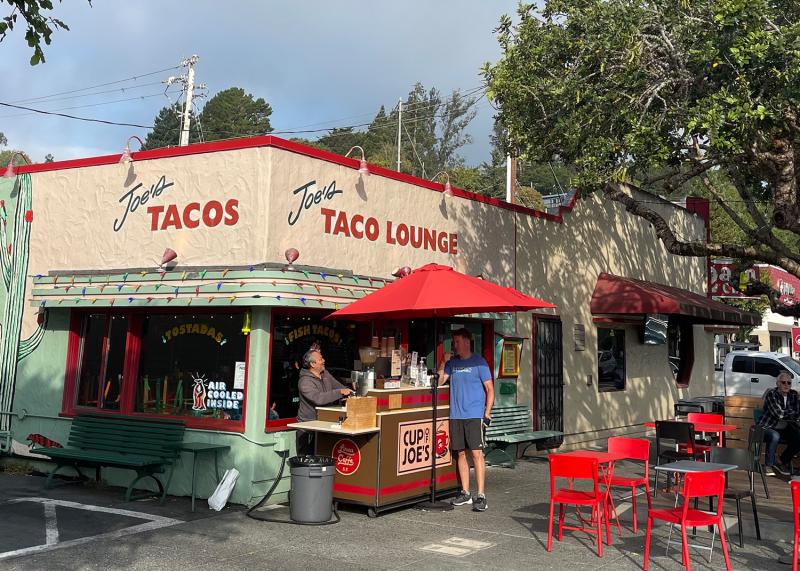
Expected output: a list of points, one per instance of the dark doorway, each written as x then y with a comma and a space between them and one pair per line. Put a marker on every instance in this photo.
548, 379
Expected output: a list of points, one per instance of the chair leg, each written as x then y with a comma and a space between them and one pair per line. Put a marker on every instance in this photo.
763, 479
685, 549
739, 519
633, 508
755, 516
794, 552
599, 530
550, 528
724, 544
647, 541
560, 521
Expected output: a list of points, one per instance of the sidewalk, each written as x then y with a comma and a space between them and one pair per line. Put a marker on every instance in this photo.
511, 534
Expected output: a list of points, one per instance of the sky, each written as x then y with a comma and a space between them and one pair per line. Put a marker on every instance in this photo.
319, 64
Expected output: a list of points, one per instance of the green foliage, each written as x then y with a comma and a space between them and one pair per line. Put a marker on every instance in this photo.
21, 158
167, 129
663, 94
40, 26
3, 140
234, 113
49, 158
230, 113
433, 131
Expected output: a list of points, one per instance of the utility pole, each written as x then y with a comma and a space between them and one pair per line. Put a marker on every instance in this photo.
399, 126
189, 87
509, 180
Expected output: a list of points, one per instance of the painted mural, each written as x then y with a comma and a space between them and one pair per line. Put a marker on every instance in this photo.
14, 251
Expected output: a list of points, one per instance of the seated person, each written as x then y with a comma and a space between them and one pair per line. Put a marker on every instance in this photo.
780, 419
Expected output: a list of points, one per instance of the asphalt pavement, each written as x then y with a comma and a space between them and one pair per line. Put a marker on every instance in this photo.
90, 527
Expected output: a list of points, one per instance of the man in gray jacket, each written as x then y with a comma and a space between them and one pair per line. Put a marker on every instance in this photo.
317, 388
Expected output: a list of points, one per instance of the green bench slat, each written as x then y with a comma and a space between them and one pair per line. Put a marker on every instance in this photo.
105, 459
528, 436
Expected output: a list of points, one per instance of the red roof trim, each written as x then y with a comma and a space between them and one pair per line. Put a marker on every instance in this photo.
277, 142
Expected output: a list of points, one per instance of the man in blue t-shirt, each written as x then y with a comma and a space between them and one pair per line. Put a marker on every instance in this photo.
471, 400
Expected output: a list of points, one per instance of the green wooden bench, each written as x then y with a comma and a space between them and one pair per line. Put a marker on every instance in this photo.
510, 427
147, 446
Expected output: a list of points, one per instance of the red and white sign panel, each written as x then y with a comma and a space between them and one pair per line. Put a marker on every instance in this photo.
347, 455
722, 274
415, 445
796, 340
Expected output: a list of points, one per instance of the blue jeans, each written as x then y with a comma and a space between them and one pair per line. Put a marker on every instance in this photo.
791, 435
771, 438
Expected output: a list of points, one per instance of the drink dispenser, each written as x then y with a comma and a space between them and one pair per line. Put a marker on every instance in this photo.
368, 356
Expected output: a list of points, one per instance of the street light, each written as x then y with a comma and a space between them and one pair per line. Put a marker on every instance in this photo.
126, 156
362, 164
10, 173
448, 190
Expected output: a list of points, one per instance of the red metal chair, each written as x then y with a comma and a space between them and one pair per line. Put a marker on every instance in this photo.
695, 485
707, 418
574, 469
634, 449
795, 487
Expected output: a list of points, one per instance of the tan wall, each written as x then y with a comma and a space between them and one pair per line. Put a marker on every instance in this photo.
75, 212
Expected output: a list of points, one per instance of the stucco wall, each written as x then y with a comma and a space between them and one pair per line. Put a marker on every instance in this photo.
75, 212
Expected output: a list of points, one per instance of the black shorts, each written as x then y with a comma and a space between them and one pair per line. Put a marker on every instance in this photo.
466, 434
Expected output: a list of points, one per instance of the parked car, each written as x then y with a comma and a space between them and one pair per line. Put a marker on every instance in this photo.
751, 373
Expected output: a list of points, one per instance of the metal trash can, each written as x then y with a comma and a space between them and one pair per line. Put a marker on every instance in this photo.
311, 495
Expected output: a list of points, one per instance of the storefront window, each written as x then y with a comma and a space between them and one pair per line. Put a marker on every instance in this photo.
292, 336
102, 355
611, 359
192, 365
185, 364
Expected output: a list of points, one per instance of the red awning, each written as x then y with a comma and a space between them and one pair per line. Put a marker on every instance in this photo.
615, 295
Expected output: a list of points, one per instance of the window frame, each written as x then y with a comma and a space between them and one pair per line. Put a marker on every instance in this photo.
605, 389
133, 347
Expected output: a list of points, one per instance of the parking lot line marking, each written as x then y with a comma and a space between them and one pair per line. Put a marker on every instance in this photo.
153, 522
468, 543
51, 524
446, 549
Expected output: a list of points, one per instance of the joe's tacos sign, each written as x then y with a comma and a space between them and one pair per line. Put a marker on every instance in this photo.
162, 214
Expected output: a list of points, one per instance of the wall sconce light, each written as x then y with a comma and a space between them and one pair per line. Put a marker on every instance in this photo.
291, 256
10, 172
401, 272
169, 255
362, 164
126, 156
448, 190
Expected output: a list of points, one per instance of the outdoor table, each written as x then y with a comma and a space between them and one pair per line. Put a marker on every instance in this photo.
605, 461
196, 448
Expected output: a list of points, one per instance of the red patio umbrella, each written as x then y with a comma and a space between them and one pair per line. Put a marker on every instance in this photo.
437, 291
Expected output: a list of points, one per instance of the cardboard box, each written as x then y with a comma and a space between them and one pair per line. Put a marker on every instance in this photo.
361, 412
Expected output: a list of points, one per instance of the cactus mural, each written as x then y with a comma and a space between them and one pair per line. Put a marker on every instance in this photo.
13, 274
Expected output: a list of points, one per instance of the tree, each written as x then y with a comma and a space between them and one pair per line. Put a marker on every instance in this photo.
233, 113
48, 158
167, 128
661, 95
40, 25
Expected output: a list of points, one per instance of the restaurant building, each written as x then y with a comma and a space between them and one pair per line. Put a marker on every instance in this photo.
160, 287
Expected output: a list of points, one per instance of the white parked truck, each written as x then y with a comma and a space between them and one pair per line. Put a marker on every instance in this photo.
751, 373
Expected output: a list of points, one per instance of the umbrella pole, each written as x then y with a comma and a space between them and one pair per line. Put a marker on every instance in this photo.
433, 504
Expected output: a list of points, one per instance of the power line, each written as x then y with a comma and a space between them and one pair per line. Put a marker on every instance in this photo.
159, 94
132, 78
119, 89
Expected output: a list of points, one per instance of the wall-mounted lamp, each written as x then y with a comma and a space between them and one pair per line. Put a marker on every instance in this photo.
401, 272
10, 172
169, 255
362, 164
448, 190
126, 156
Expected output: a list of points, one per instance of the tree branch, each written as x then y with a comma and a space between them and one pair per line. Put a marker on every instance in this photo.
616, 192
